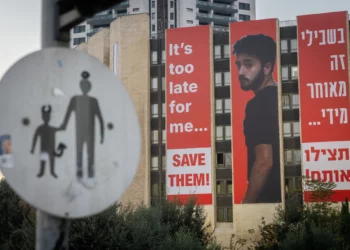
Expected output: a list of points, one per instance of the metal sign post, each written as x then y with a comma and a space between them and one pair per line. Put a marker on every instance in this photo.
70, 139
51, 231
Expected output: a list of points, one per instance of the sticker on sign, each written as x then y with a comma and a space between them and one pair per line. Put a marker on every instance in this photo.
73, 131
6, 157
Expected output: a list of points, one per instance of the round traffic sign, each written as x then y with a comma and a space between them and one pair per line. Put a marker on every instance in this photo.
69, 134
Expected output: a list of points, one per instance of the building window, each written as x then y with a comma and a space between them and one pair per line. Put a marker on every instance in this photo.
189, 21
163, 136
153, 27
224, 187
291, 129
293, 45
153, 4
243, 17
285, 73
294, 72
287, 129
219, 106
244, 6
154, 136
293, 185
227, 106
227, 78
171, 4
155, 189
222, 79
292, 157
218, 79
154, 110
217, 50
223, 133
223, 106
163, 110
226, 51
135, 9
286, 102
164, 161
224, 160
222, 51
224, 214
79, 29
163, 83
219, 133
189, 9
154, 57
284, 46
153, 16
172, 16
171, 26
289, 73
154, 83
290, 101
77, 41
163, 56
154, 163
289, 46
295, 101
228, 132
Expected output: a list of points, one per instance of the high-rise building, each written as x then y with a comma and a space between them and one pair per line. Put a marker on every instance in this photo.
169, 14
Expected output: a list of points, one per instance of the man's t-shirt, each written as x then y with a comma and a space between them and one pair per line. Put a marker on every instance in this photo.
261, 126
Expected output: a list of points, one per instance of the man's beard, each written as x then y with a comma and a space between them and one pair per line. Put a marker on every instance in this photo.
253, 84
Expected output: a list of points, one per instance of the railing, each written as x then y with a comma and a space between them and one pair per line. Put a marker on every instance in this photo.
124, 3
218, 17
109, 16
217, 5
220, 29
288, 23
95, 30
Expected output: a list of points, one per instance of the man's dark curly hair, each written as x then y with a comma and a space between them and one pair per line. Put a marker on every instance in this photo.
261, 46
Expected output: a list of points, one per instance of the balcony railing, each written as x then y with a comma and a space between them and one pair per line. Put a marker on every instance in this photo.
221, 6
91, 32
213, 17
288, 23
109, 16
122, 5
220, 29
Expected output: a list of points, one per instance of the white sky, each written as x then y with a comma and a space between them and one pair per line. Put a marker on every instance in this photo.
20, 22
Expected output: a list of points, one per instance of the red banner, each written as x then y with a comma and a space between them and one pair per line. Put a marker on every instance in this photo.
324, 99
255, 111
188, 113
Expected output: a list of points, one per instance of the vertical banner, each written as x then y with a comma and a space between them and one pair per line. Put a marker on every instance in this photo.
324, 99
188, 114
255, 119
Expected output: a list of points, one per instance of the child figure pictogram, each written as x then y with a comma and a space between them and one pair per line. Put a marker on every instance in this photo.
47, 135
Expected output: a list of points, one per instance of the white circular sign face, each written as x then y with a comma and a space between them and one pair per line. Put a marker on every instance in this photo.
69, 134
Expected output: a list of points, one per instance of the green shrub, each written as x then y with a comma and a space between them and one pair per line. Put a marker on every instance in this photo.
167, 225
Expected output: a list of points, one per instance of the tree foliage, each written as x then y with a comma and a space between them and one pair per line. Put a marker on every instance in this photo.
168, 225
315, 225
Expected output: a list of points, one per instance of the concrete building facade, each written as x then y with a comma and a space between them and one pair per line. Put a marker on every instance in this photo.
169, 14
139, 61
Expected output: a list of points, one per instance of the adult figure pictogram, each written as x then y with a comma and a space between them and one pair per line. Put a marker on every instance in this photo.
86, 110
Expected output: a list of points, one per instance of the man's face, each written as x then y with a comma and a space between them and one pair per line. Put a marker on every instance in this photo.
250, 72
